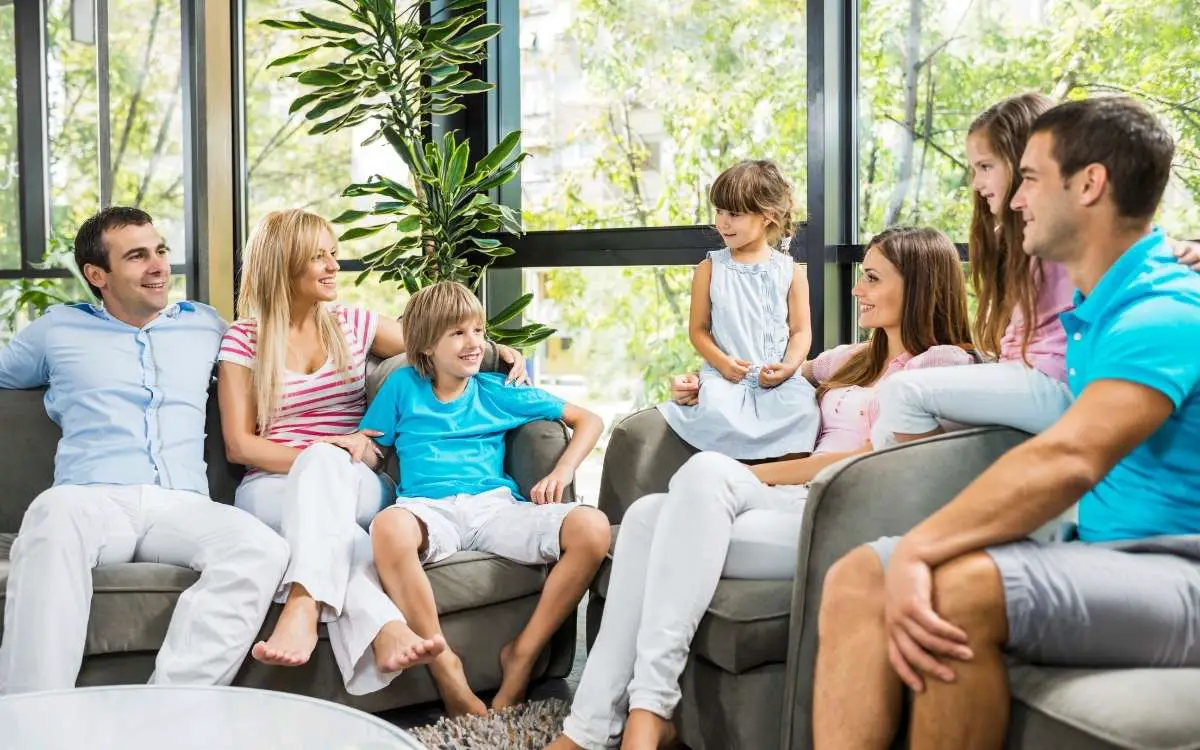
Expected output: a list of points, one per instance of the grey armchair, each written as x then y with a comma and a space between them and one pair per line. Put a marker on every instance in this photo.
890, 491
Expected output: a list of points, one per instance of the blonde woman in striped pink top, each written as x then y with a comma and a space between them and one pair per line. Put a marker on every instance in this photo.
292, 388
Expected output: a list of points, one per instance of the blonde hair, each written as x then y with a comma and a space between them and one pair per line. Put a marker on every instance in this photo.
430, 313
757, 187
279, 250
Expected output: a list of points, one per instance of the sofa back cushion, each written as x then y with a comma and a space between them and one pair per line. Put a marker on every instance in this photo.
28, 440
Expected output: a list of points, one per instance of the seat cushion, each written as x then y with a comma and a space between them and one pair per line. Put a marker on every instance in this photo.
1148, 709
746, 625
132, 602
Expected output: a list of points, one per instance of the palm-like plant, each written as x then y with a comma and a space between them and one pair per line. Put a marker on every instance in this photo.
399, 70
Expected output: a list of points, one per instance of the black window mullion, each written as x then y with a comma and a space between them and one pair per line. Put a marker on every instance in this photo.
30, 27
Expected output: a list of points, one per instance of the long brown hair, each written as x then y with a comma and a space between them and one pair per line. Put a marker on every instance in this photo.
1003, 276
934, 305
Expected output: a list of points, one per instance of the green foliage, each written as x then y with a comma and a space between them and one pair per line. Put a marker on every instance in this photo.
30, 298
395, 72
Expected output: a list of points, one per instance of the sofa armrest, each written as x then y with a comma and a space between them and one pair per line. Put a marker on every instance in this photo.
884, 493
643, 454
531, 452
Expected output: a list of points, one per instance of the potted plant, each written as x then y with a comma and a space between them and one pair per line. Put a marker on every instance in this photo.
398, 70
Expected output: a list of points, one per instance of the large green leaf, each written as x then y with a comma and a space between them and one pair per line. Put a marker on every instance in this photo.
294, 57
328, 25
320, 77
516, 308
358, 232
476, 36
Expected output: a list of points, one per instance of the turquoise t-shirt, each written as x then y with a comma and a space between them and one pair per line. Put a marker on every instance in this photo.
1141, 324
456, 447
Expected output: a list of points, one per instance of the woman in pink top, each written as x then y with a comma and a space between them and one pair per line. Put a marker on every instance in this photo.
722, 518
1026, 387
292, 389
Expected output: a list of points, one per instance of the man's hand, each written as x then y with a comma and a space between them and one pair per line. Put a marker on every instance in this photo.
733, 369
1188, 253
775, 373
919, 641
358, 444
550, 489
516, 373
685, 389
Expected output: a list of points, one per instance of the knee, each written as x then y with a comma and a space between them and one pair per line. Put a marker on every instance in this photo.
586, 530
643, 512
396, 530
852, 591
320, 454
969, 593
260, 546
702, 473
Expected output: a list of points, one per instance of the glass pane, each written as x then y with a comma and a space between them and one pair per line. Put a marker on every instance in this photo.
146, 113
630, 109
927, 68
10, 207
622, 332
23, 300
73, 103
285, 166
385, 298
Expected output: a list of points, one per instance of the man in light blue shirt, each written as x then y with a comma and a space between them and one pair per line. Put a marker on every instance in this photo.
128, 384
964, 590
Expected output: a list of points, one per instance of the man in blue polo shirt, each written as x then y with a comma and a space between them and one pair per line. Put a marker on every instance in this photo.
128, 383
963, 589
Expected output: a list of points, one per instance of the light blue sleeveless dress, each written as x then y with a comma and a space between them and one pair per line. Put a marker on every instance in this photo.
749, 319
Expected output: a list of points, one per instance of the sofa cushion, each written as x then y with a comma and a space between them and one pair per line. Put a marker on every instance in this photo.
1149, 709
746, 625
132, 602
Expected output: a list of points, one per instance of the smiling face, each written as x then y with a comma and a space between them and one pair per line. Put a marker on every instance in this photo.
458, 353
742, 231
317, 282
991, 175
1046, 203
138, 278
879, 291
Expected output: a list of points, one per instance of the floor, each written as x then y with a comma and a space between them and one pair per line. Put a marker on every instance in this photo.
563, 688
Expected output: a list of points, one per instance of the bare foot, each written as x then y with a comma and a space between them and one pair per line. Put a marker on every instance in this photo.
295, 634
516, 669
452, 685
647, 731
563, 743
397, 647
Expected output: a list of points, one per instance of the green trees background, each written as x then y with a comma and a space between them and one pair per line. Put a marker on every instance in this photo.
718, 80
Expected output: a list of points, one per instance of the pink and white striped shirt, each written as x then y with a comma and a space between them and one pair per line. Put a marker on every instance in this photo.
320, 404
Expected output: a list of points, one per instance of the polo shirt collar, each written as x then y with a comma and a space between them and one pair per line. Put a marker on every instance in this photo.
1088, 309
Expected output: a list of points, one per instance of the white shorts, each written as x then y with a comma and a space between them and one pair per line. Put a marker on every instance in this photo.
493, 522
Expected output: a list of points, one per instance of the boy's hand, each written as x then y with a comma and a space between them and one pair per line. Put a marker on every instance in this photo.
773, 374
357, 444
550, 489
516, 360
685, 389
733, 369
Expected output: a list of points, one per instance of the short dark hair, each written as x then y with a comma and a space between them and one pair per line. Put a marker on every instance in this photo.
1123, 137
89, 240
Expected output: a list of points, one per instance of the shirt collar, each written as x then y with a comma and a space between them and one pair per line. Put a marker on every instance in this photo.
1091, 307
172, 311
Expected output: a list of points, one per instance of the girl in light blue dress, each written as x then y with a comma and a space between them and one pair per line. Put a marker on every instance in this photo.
750, 323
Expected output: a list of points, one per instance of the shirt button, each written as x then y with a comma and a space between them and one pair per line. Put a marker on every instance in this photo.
1078, 337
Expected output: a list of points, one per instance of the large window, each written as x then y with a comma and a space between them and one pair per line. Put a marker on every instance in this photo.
631, 108
928, 67
10, 207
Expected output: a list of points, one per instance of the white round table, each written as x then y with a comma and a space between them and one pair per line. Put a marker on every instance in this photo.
143, 717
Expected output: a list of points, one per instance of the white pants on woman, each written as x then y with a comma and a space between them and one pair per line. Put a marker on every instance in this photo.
321, 507
915, 402
715, 520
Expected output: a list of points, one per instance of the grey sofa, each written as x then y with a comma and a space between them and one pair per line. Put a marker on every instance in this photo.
748, 682
484, 601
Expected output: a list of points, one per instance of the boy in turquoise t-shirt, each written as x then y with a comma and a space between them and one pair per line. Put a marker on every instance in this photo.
447, 422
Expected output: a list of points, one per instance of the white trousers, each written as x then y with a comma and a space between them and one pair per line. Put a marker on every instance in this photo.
69, 530
715, 520
322, 508
1004, 393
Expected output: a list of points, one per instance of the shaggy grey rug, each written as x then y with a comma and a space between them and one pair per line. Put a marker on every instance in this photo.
530, 726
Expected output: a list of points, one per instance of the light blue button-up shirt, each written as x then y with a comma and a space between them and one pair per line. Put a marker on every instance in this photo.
131, 402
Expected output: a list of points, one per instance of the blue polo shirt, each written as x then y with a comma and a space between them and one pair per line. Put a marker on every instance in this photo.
454, 447
1141, 324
